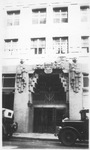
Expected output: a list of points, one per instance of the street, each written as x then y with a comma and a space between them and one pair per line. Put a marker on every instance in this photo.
19, 143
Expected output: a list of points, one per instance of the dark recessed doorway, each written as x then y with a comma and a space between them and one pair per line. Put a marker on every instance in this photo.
46, 119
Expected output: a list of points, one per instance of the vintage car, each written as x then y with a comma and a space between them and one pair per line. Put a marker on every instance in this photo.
71, 130
8, 124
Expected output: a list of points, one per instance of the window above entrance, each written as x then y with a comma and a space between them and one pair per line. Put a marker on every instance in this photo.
38, 45
60, 45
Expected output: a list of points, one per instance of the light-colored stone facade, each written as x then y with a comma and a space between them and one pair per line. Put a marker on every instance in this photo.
74, 29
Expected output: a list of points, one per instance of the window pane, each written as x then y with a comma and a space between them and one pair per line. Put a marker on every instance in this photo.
8, 45
10, 19
14, 45
39, 16
9, 82
56, 45
35, 16
40, 51
42, 42
43, 16
64, 15
84, 13
85, 41
85, 80
35, 50
60, 45
33, 43
64, 45
13, 17
11, 44
38, 45
16, 20
60, 15
85, 44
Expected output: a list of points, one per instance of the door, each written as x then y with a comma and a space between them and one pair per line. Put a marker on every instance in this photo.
38, 119
44, 120
48, 120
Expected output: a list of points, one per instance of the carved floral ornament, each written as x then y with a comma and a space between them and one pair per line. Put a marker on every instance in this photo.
48, 67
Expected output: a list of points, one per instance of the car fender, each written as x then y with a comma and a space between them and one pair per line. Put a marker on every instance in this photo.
71, 128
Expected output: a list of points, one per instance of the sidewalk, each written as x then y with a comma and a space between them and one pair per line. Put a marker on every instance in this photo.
38, 136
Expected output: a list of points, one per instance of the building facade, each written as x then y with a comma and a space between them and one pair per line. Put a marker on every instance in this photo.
45, 71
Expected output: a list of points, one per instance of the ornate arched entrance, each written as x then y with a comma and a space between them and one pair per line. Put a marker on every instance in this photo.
49, 100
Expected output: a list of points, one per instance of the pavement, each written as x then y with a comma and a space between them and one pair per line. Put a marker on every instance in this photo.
38, 136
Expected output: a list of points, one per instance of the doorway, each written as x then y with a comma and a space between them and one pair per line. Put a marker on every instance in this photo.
46, 119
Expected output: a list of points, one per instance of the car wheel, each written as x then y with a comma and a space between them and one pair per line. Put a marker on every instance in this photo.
68, 137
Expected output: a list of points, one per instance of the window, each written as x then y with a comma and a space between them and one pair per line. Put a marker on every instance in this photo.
60, 45
60, 15
8, 89
13, 18
8, 81
85, 13
39, 16
38, 45
11, 45
85, 81
85, 44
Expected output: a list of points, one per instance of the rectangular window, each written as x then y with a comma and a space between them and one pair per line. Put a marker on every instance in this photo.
60, 45
13, 18
85, 44
85, 13
60, 14
38, 45
85, 80
39, 16
11, 45
8, 81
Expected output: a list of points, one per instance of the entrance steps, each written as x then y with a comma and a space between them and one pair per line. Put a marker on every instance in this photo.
38, 136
